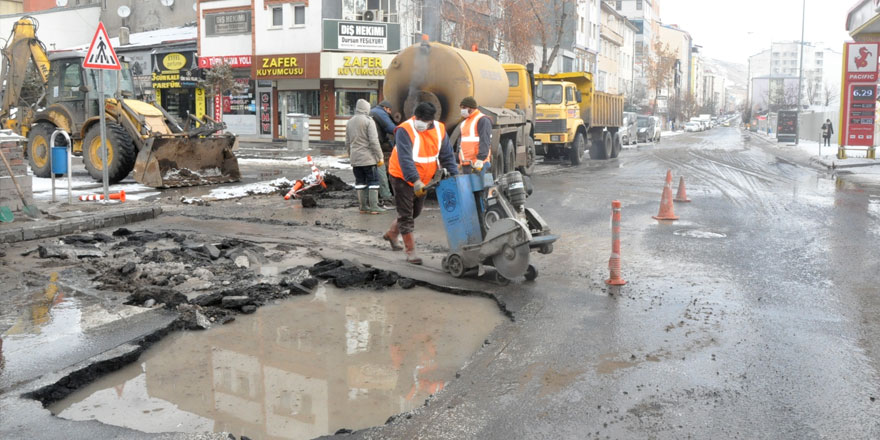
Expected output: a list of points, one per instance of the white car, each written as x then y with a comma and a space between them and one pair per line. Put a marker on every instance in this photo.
692, 127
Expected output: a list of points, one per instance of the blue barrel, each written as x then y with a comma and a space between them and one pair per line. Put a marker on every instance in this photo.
459, 210
59, 160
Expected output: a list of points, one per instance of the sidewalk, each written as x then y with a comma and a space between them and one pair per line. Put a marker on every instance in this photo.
824, 156
60, 219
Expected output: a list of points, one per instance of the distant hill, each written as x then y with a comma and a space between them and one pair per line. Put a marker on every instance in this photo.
734, 72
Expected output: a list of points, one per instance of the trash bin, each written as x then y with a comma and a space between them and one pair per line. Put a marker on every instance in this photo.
298, 131
59, 160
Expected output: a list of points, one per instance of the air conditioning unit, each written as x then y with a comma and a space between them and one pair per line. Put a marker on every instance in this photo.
373, 15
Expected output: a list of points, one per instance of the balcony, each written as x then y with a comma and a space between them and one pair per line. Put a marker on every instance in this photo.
611, 35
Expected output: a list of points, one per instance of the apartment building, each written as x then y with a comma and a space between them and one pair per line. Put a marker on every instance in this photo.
616, 50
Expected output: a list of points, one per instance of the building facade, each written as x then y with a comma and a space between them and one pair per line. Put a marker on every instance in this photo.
645, 16
821, 70
615, 59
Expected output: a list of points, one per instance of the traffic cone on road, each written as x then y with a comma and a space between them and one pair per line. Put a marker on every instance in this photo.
681, 196
667, 212
95, 197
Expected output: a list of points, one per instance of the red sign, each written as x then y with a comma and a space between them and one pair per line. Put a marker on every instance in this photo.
218, 108
233, 61
101, 54
859, 93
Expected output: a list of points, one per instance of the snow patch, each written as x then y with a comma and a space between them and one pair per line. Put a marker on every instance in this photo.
696, 233
238, 191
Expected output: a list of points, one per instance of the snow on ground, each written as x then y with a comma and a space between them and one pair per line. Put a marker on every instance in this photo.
238, 191
322, 162
664, 134
42, 188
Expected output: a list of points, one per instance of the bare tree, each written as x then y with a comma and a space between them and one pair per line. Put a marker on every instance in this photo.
494, 26
812, 88
552, 22
830, 93
659, 69
219, 80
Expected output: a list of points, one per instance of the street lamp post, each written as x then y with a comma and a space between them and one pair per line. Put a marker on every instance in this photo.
797, 125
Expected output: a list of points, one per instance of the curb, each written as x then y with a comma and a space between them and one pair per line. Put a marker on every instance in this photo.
79, 224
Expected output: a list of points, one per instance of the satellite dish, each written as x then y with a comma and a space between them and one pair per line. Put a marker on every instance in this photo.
61, 3
168, 3
123, 11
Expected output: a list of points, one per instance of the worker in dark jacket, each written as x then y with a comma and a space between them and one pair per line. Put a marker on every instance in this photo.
381, 115
420, 142
476, 137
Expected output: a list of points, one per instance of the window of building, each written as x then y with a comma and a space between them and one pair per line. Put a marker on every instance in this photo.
639, 5
301, 101
601, 83
619, 5
354, 9
347, 99
299, 15
277, 16
567, 64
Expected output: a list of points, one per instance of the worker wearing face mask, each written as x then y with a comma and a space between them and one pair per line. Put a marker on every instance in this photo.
420, 142
476, 136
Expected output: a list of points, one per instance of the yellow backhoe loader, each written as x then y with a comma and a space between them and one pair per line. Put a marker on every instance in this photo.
141, 136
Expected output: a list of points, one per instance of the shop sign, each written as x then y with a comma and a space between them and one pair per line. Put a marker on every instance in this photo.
174, 80
859, 93
234, 61
361, 36
354, 65
287, 66
174, 70
265, 113
228, 23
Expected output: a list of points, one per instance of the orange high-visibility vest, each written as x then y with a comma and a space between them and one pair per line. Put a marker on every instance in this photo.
470, 139
425, 150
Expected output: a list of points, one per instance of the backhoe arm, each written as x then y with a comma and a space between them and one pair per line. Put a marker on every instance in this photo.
22, 46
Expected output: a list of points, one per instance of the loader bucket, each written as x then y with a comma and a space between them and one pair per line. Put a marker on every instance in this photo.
173, 161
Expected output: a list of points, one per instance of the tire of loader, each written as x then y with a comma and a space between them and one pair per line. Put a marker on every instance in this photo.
38, 149
121, 152
597, 150
577, 149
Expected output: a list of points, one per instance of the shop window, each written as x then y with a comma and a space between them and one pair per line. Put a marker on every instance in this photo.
300, 101
299, 15
277, 17
346, 100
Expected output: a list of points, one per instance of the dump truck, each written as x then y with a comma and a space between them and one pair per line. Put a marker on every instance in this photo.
444, 75
571, 114
45, 92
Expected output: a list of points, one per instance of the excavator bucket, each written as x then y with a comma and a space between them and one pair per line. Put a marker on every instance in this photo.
173, 161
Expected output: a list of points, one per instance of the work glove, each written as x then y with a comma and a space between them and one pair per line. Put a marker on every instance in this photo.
381, 163
419, 188
478, 165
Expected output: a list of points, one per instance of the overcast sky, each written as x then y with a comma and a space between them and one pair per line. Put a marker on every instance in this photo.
733, 30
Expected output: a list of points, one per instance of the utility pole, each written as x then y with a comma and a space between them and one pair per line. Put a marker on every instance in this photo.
797, 126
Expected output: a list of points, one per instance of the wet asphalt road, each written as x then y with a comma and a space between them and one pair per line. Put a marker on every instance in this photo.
753, 316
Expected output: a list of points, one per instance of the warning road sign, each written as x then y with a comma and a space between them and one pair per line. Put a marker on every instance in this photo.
101, 54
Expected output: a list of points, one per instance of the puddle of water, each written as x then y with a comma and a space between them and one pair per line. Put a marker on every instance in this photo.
696, 233
304, 368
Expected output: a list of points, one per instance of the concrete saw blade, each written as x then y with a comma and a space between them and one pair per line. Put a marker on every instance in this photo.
512, 262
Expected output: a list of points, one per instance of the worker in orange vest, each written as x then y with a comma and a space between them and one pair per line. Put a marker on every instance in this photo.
476, 137
419, 142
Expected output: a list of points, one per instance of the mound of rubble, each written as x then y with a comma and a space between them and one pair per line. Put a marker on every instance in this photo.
206, 281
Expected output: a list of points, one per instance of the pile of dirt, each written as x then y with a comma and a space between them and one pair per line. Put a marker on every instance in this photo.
345, 273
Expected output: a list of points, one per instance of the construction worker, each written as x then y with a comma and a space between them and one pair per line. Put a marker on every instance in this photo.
362, 143
381, 115
476, 137
420, 141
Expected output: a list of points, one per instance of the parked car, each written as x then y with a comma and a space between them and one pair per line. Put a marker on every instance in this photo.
646, 128
628, 134
692, 127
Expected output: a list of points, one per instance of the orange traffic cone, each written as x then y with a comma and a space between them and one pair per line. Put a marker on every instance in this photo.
667, 212
296, 186
95, 197
681, 196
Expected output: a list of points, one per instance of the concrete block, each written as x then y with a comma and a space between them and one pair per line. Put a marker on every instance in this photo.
11, 236
28, 233
79, 225
48, 231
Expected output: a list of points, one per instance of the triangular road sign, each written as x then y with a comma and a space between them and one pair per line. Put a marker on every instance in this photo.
101, 54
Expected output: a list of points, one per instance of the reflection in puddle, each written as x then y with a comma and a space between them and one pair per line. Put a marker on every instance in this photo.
304, 368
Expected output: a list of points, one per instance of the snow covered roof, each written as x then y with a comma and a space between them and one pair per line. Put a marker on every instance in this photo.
152, 38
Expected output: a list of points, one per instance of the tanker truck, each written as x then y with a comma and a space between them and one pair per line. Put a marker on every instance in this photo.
443, 75
570, 113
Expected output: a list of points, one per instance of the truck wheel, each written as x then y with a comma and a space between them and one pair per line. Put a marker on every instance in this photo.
497, 168
577, 149
38, 149
509, 156
616, 147
597, 150
121, 152
531, 156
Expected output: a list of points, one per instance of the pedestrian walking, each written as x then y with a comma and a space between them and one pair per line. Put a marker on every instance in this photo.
381, 115
362, 144
476, 137
827, 131
420, 142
